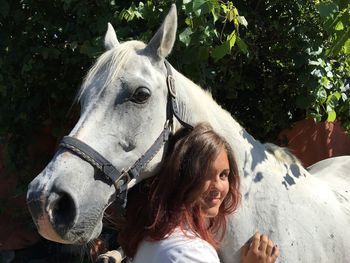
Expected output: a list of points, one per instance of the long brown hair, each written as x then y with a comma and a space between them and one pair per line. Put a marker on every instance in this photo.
170, 198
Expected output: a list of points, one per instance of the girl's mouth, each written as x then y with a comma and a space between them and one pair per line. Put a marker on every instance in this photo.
213, 200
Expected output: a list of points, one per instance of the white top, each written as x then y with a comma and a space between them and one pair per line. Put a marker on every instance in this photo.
176, 248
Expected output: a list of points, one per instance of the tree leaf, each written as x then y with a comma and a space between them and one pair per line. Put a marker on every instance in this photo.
339, 42
332, 100
220, 51
339, 26
185, 36
242, 45
189, 21
332, 115
347, 47
201, 7
344, 96
327, 9
324, 81
232, 39
337, 94
242, 21
215, 10
322, 95
230, 16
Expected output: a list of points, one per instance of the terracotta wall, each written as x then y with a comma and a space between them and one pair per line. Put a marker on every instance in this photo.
312, 142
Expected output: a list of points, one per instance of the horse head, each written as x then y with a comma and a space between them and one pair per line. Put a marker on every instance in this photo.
124, 106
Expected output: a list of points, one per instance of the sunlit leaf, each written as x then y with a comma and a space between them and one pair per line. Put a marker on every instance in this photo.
337, 94
332, 115
347, 47
324, 81
344, 96
232, 39
230, 16
339, 26
188, 21
322, 95
235, 11
242, 20
185, 36
215, 11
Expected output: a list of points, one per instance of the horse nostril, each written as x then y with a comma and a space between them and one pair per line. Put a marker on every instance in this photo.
62, 211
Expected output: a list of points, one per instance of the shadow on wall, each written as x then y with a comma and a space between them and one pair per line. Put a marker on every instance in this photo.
312, 142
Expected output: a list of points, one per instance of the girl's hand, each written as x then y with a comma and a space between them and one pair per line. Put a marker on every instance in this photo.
260, 250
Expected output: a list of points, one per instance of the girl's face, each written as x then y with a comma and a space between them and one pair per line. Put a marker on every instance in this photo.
216, 185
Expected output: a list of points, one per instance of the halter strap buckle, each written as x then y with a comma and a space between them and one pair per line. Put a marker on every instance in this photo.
123, 180
171, 85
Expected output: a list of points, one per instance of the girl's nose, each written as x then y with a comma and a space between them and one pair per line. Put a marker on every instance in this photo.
216, 183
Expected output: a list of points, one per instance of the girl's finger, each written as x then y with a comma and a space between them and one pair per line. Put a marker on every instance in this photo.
275, 253
269, 247
256, 242
263, 243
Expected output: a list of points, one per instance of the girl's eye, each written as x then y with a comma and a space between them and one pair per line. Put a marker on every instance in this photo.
224, 174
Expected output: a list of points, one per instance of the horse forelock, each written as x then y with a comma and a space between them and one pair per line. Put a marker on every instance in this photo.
110, 62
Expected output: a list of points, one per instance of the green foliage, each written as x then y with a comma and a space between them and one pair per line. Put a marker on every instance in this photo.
289, 61
335, 16
332, 67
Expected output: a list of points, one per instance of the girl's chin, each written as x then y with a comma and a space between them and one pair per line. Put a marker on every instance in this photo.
211, 212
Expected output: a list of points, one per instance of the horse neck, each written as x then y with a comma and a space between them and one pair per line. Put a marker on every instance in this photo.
252, 157
197, 105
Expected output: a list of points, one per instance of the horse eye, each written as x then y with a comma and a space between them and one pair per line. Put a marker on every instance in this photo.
141, 95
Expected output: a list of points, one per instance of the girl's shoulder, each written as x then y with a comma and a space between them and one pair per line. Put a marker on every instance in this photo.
180, 246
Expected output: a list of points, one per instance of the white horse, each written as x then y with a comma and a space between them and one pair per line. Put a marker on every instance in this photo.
124, 102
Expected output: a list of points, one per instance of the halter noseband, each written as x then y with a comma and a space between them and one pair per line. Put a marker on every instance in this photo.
120, 179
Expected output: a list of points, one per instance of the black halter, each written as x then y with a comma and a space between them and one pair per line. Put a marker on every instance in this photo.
120, 179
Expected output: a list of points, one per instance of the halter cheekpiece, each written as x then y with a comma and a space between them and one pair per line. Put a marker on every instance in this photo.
120, 179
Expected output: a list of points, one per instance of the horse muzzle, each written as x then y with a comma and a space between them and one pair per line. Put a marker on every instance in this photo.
56, 214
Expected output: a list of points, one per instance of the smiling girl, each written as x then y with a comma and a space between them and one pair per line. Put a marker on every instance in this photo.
179, 215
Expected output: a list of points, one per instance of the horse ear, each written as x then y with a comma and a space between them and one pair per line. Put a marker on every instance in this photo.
111, 40
163, 41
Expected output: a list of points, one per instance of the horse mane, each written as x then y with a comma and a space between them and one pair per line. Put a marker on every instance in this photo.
213, 112
110, 61
282, 154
